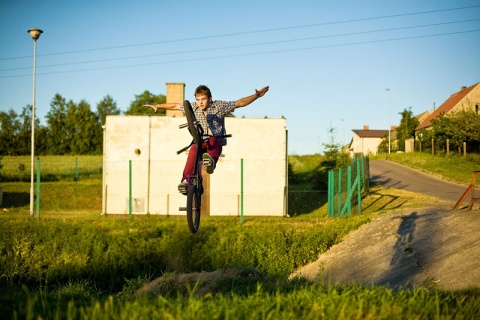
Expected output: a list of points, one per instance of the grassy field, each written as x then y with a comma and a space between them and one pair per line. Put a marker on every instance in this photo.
454, 168
80, 265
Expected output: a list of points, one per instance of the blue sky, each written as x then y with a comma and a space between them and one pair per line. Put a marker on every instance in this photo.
327, 62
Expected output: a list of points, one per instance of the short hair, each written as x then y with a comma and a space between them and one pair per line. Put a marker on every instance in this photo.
203, 90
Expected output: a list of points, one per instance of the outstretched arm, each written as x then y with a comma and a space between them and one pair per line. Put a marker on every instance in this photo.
247, 100
166, 106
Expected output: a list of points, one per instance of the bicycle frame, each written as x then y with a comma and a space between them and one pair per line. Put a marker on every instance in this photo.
194, 180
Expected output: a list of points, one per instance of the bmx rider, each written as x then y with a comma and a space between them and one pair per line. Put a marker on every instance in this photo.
211, 116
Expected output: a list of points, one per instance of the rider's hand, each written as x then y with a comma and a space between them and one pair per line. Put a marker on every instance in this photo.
261, 92
151, 106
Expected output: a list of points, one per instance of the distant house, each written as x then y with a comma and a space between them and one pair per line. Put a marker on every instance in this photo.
467, 98
367, 141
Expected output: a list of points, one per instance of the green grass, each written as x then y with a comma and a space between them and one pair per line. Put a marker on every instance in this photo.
52, 168
74, 263
454, 168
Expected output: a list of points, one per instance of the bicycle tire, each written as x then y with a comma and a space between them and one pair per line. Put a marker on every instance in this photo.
193, 208
193, 126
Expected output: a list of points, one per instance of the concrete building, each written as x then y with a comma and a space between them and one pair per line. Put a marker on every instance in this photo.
142, 169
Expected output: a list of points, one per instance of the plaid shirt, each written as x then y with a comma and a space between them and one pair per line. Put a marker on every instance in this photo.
214, 119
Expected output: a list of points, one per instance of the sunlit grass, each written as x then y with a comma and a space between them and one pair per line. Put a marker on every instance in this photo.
74, 263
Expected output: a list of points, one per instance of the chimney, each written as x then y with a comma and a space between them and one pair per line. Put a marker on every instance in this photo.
365, 127
463, 88
175, 94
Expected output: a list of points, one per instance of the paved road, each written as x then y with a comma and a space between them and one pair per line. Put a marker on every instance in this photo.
398, 176
433, 246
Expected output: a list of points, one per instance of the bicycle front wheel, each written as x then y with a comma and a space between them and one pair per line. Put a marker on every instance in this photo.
193, 208
193, 126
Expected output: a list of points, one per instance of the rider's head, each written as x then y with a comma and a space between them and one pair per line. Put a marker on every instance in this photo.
203, 95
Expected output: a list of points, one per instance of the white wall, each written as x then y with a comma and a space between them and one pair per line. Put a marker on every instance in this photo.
157, 170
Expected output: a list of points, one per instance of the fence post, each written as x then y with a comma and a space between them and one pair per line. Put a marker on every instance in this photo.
37, 203
330, 195
349, 186
241, 190
76, 168
130, 187
339, 195
359, 187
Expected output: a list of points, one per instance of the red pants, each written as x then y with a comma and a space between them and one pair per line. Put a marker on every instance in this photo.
212, 146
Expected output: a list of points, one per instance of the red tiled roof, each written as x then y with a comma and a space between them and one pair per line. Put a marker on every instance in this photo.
446, 107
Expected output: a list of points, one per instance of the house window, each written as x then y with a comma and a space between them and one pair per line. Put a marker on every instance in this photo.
477, 106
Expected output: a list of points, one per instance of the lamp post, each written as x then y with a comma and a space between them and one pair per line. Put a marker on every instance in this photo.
389, 118
35, 34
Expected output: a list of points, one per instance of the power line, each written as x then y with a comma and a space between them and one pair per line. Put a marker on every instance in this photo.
251, 54
246, 45
249, 32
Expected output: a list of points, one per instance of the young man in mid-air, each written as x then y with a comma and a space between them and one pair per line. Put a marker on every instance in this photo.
211, 116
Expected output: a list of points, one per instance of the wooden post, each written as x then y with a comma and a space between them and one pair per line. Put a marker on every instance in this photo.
206, 193
448, 146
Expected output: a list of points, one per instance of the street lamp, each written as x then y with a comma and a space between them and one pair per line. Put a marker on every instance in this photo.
389, 118
35, 34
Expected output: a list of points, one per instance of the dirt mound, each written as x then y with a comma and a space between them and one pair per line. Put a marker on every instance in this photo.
201, 283
433, 246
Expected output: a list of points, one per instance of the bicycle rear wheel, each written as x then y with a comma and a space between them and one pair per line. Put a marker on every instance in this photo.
193, 208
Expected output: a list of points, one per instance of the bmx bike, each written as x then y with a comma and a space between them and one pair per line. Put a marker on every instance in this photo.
194, 180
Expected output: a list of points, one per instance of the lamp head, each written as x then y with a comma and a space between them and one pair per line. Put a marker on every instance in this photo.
35, 33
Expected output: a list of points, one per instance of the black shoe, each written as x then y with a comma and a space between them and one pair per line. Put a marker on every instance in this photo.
182, 187
208, 162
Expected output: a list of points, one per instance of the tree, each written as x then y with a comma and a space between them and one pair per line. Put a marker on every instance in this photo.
84, 132
9, 129
334, 157
57, 128
24, 136
107, 106
406, 129
465, 124
137, 105
383, 145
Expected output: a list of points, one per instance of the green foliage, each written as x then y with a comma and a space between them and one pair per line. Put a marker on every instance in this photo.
15, 131
455, 167
71, 128
459, 127
406, 129
137, 105
52, 168
107, 106
86, 266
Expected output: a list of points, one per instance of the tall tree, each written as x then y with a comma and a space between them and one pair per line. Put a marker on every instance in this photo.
85, 129
57, 129
25, 134
84, 132
107, 106
406, 129
442, 129
9, 129
137, 105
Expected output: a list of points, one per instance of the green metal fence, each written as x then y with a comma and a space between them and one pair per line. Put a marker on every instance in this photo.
346, 186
